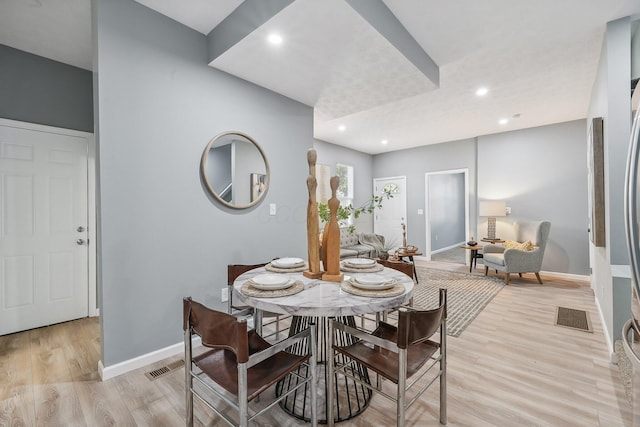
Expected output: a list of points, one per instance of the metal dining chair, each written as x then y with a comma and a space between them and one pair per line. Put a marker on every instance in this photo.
403, 355
233, 272
238, 365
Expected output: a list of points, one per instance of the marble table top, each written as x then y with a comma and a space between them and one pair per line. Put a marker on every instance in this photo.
320, 298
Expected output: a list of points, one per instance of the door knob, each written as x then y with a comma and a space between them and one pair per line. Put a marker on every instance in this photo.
80, 242
80, 229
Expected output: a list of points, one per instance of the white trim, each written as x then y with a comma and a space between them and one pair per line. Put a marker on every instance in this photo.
612, 352
569, 276
621, 271
126, 366
92, 300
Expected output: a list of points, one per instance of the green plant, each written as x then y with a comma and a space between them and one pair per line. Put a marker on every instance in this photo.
345, 212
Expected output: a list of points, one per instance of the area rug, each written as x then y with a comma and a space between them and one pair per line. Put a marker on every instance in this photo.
467, 295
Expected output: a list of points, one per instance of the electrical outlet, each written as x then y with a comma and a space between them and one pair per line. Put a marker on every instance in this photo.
224, 294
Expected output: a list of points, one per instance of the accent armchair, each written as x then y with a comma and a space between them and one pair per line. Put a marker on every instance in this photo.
512, 260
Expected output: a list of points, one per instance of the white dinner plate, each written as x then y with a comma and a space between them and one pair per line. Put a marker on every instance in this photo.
360, 262
288, 262
380, 286
271, 282
371, 279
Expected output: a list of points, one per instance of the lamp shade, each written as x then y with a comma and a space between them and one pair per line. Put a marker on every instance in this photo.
492, 208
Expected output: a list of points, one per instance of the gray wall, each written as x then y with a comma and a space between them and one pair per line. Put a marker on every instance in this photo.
331, 154
162, 238
541, 174
446, 210
39, 90
414, 163
610, 100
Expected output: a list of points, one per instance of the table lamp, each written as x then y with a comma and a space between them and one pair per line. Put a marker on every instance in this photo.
492, 209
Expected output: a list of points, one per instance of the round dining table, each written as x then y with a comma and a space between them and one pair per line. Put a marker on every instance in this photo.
318, 302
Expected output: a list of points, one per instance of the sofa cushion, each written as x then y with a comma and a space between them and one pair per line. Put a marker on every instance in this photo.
347, 239
346, 252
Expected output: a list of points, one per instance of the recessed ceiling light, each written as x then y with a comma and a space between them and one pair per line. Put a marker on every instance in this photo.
384, 142
275, 38
503, 121
342, 128
482, 91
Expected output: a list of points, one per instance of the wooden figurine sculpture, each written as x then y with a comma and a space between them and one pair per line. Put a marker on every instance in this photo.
331, 238
313, 244
404, 234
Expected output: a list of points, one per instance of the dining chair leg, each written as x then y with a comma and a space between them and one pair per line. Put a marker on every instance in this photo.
188, 379
243, 403
257, 321
402, 386
443, 374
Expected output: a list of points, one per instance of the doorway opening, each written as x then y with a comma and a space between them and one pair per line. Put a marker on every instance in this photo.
446, 215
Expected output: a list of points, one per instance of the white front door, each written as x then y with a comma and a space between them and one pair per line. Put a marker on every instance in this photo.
388, 220
43, 227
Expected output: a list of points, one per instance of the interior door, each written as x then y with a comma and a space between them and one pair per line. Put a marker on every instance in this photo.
43, 228
388, 220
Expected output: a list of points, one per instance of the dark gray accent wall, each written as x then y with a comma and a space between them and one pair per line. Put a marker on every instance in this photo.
414, 163
541, 173
330, 155
39, 90
162, 238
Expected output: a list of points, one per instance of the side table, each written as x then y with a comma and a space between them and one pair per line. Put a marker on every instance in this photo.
401, 254
473, 254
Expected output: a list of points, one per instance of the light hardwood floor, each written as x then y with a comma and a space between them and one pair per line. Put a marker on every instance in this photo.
510, 367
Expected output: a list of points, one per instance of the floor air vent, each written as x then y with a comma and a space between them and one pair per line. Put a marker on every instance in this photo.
574, 319
164, 370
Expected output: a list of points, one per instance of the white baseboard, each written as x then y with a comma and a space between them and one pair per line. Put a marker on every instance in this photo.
569, 276
113, 371
612, 352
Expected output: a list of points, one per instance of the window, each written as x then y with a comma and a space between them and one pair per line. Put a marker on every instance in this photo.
345, 189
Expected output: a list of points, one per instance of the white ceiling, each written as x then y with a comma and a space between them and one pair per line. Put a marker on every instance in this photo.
538, 59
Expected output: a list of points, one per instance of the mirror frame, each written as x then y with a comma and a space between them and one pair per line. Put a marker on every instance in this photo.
203, 169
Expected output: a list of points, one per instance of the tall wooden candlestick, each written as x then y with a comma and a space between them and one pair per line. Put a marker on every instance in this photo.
313, 245
331, 249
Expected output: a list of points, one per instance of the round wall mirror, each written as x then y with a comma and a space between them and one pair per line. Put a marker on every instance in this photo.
235, 170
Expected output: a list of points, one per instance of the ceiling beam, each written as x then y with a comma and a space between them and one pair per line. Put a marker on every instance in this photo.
378, 15
250, 15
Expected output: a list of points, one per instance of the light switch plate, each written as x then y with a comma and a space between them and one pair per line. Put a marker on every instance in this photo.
272, 208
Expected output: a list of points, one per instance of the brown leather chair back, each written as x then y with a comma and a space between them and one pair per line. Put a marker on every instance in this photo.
402, 266
235, 270
216, 329
415, 326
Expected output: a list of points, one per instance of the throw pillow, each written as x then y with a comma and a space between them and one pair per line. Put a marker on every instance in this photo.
525, 246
